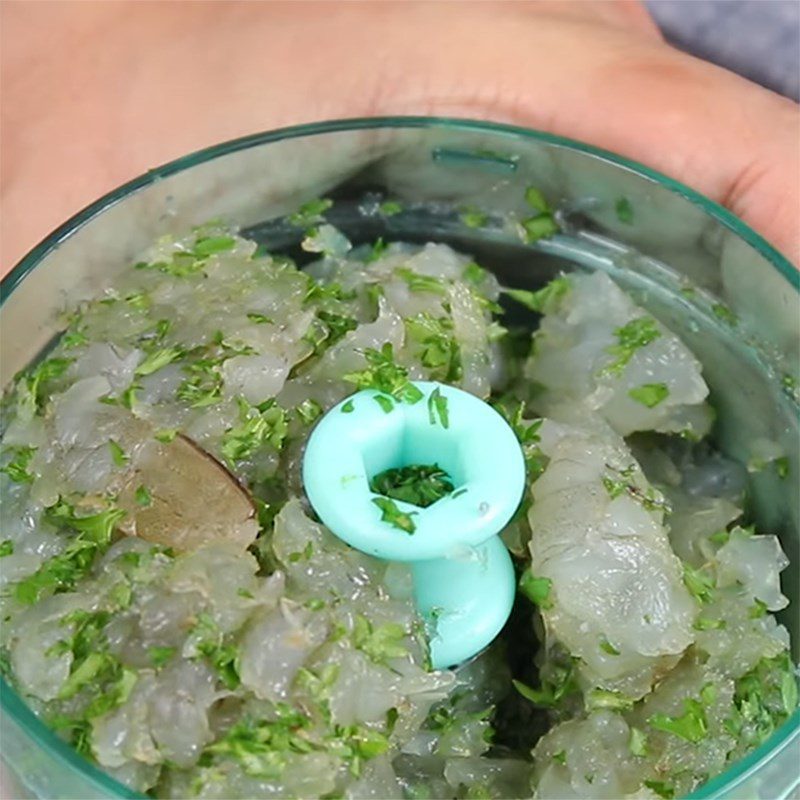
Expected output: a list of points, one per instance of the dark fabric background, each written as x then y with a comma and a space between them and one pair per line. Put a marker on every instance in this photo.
759, 39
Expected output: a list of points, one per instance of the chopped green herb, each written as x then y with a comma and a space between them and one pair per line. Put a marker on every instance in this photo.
724, 313
758, 609
472, 217
309, 410
31, 386
692, 725
542, 226
160, 655
708, 694
208, 245
311, 212
552, 691
118, 455
60, 573
699, 583
720, 537
259, 319
782, 467
631, 337
423, 284
394, 516
379, 642
661, 788
419, 485
607, 647
545, 299
624, 210
474, 273
649, 394
437, 349
258, 426
637, 743
348, 407
337, 324
209, 642
708, 624
6, 548
389, 208
604, 698
143, 497
158, 359
437, 405
73, 339
379, 247
384, 375
560, 757
384, 402
537, 590
17, 468
166, 435
536, 200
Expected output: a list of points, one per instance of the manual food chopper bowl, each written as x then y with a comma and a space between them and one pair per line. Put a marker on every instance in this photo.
680, 255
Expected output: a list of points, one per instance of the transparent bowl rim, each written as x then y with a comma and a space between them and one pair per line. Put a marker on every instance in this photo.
10, 702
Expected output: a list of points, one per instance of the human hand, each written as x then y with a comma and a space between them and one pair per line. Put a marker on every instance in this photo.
95, 93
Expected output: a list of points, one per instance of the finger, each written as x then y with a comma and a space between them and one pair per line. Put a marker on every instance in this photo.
139, 89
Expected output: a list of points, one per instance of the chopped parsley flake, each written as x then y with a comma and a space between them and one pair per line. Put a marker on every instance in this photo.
605, 698
143, 497
757, 610
209, 245
649, 394
17, 467
692, 725
394, 516
31, 386
536, 200
166, 435
385, 376
721, 311
309, 410
472, 217
379, 642
259, 319
160, 655
61, 572
661, 788
631, 337
258, 426
311, 212
699, 583
208, 641
437, 406
545, 299
6, 548
552, 691
539, 227
417, 484
389, 208
437, 348
637, 743
607, 647
624, 210
474, 273
708, 624
537, 590
348, 407
421, 284
118, 455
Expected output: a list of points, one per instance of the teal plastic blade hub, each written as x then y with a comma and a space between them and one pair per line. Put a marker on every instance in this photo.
463, 576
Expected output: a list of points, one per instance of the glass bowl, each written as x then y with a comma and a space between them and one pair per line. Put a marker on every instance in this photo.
729, 295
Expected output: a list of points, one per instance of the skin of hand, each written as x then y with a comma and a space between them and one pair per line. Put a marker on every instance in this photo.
95, 93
